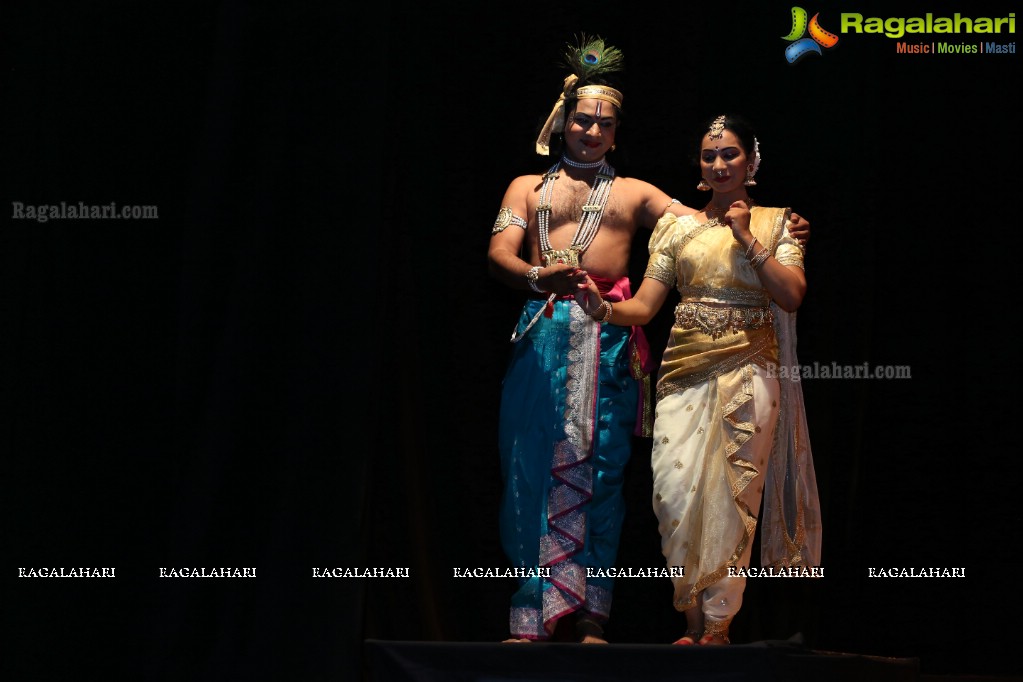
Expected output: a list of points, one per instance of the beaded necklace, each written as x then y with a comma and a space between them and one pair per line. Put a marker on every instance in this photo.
579, 164
589, 221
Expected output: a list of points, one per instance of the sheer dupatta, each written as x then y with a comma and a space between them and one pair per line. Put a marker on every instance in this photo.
791, 524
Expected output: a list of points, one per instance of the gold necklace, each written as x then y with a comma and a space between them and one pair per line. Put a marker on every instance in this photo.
717, 213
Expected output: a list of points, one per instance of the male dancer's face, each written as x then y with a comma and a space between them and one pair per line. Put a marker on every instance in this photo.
590, 130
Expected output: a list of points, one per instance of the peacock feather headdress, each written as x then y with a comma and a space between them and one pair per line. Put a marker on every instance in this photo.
588, 59
591, 58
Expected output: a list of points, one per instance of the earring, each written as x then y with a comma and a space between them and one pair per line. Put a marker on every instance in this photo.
614, 147
749, 181
703, 186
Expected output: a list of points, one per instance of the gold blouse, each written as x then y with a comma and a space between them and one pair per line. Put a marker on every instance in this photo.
724, 318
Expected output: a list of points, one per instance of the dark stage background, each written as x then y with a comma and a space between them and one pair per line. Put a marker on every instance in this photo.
298, 364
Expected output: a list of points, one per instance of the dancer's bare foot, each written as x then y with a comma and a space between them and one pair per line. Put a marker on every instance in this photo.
517, 641
694, 627
714, 640
592, 639
715, 632
689, 638
589, 631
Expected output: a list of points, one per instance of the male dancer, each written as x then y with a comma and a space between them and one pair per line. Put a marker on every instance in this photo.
573, 395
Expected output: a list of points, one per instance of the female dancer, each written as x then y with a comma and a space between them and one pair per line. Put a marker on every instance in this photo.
727, 434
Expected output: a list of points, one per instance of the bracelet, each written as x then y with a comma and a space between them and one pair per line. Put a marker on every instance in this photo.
531, 276
604, 310
750, 247
759, 259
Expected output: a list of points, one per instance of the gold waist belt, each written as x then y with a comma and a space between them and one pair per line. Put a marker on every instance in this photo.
717, 318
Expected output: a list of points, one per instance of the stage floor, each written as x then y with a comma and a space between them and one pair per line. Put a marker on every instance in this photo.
784, 661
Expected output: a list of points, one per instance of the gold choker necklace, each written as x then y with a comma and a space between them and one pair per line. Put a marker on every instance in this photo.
715, 212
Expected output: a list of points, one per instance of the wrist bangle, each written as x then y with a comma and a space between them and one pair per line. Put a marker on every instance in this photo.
603, 312
749, 249
758, 260
531, 276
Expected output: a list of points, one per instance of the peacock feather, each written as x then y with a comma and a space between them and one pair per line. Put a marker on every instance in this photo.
591, 57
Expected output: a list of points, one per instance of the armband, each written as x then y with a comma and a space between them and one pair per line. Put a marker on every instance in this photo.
505, 217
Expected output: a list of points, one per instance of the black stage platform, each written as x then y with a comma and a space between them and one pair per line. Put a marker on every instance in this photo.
788, 661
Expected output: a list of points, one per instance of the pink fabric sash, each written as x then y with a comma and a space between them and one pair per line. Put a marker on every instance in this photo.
643, 364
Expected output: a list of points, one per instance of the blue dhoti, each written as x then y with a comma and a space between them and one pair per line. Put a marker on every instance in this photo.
568, 413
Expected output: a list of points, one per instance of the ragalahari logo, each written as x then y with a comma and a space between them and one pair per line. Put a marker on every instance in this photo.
801, 46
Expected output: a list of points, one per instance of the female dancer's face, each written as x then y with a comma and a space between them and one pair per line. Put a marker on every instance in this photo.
722, 162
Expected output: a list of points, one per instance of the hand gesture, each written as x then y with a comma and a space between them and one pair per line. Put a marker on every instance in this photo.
587, 295
560, 279
737, 217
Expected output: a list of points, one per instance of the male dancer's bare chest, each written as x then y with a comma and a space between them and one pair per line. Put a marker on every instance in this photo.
567, 202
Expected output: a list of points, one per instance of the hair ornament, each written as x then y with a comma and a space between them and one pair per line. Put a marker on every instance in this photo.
717, 128
592, 57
